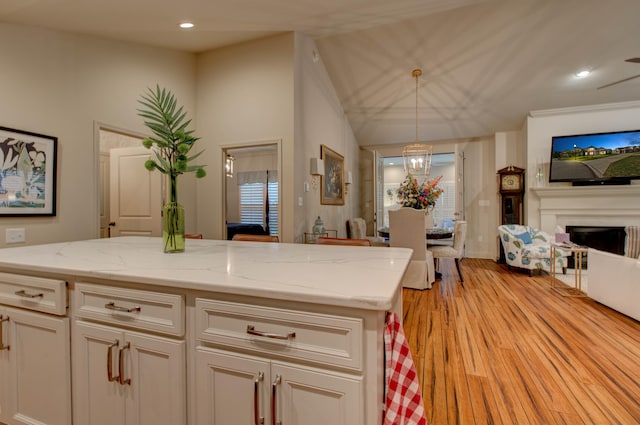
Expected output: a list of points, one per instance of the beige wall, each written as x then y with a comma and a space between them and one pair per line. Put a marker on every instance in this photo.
61, 85
320, 120
244, 97
480, 190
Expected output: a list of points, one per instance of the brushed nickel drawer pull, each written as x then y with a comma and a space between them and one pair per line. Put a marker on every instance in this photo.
110, 376
112, 306
24, 294
251, 330
3, 319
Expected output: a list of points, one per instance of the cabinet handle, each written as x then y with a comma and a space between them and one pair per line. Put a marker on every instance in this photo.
274, 403
3, 319
251, 330
113, 306
257, 420
24, 294
121, 366
110, 362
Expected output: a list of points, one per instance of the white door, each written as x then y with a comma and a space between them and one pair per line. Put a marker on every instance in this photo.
459, 213
135, 194
97, 399
40, 386
304, 396
154, 379
232, 389
104, 195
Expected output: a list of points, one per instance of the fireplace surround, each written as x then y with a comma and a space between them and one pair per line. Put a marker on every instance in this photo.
597, 206
588, 209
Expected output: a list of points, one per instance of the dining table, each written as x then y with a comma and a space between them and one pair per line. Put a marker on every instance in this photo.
430, 233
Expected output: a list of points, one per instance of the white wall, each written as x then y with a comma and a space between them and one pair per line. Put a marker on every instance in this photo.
60, 84
543, 125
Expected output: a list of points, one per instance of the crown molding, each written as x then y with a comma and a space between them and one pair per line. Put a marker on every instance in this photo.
584, 109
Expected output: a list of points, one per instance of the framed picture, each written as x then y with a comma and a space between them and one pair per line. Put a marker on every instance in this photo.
27, 173
332, 182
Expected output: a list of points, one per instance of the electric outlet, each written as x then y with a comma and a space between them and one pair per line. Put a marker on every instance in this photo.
15, 235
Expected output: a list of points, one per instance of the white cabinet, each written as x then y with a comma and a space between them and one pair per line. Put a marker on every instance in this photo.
127, 377
34, 388
124, 372
237, 389
266, 365
34, 351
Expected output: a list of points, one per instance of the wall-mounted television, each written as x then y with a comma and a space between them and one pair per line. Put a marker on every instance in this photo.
597, 158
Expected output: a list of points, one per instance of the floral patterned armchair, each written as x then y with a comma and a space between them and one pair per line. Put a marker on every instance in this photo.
529, 248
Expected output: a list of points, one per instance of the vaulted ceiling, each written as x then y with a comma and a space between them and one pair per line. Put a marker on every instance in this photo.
486, 63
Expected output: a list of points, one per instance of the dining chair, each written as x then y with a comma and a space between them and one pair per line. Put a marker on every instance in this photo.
255, 238
455, 251
407, 230
357, 229
343, 241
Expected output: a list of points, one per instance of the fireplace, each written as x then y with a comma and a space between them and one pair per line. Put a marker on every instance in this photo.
605, 238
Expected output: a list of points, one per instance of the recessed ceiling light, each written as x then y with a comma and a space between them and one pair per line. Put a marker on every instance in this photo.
583, 73
186, 25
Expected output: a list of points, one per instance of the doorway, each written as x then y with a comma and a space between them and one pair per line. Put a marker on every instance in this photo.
252, 189
130, 196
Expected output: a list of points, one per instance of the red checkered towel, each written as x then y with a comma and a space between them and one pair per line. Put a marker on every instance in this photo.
404, 404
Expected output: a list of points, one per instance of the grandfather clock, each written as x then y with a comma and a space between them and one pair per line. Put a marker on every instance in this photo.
511, 194
511, 181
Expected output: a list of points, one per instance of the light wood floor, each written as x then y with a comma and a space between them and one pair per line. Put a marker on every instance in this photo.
506, 349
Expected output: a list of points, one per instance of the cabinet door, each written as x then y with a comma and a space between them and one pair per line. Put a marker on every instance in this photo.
232, 389
314, 397
40, 386
154, 373
97, 400
5, 367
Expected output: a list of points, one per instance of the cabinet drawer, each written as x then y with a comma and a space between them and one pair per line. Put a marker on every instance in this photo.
137, 309
34, 293
295, 334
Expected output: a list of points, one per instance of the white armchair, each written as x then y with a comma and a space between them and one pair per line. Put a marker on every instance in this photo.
357, 228
529, 248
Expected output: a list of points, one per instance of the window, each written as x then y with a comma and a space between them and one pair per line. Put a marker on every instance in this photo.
253, 205
391, 174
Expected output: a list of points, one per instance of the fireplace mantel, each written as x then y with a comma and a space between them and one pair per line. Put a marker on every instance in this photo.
588, 206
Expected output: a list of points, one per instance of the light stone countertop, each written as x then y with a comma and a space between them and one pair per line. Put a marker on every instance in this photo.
347, 276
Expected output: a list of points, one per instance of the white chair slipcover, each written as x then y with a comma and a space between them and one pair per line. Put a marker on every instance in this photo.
406, 230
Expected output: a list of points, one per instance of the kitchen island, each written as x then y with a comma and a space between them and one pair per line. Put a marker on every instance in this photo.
226, 332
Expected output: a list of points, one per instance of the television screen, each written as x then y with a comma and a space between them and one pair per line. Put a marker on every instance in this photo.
598, 158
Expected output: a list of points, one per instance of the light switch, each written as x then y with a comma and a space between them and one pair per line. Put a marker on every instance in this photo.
16, 235
300, 201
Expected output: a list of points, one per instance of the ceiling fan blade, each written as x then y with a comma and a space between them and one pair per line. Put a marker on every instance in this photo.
633, 60
618, 82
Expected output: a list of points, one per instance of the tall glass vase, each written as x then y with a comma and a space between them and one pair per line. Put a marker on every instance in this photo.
173, 221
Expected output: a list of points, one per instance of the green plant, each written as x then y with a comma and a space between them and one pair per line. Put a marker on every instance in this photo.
172, 140
171, 143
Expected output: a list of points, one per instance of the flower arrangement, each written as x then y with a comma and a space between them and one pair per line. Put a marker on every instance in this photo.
419, 196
